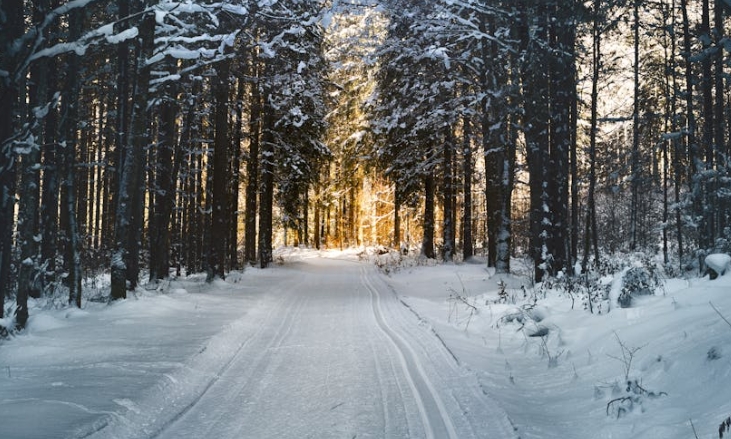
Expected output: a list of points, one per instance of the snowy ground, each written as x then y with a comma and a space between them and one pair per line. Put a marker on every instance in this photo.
325, 346
681, 353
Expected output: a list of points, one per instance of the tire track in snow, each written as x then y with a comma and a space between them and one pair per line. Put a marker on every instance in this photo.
434, 416
292, 309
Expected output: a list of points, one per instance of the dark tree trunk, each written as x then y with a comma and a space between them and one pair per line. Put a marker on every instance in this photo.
563, 95
50, 195
536, 105
189, 202
396, 219
449, 199
719, 208
221, 166
318, 208
10, 30
505, 231
233, 247
266, 202
427, 243
467, 248
721, 148
68, 130
590, 203
166, 175
489, 151
693, 157
125, 260
252, 168
29, 284
635, 153
707, 226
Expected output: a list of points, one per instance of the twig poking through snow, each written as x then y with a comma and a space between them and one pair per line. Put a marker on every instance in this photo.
695, 433
719, 313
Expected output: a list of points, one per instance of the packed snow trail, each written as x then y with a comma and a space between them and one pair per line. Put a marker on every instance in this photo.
330, 361
335, 355
318, 347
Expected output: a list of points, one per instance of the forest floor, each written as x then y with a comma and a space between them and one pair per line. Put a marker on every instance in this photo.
326, 346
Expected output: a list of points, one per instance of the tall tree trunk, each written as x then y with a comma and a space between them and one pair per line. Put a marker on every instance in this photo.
427, 243
720, 57
635, 154
252, 166
318, 209
708, 229
489, 150
467, 248
505, 231
396, 218
266, 201
69, 138
166, 175
125, 259
233, 251
536, 105
693, 157
49, 197
563, 95
449, 199
11, 28
219, 229
596, 63
29, 198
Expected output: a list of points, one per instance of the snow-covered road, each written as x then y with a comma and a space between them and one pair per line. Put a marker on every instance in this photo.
338, 356
317, 348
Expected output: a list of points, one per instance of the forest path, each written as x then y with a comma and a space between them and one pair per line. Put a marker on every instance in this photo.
338, 356
318, 347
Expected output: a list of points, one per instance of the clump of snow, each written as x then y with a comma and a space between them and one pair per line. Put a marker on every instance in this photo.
125, 35
720, 263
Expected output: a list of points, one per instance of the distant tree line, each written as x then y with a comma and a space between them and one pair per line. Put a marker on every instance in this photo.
612, 116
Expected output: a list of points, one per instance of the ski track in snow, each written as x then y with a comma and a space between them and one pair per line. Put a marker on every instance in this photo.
332, 353
317, 348
436, 421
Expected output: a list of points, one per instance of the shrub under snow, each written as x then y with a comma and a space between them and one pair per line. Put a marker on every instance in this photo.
719, 264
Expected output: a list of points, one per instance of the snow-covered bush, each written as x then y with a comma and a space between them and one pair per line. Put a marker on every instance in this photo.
633, 398
637, 281
588, 288
718, 264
